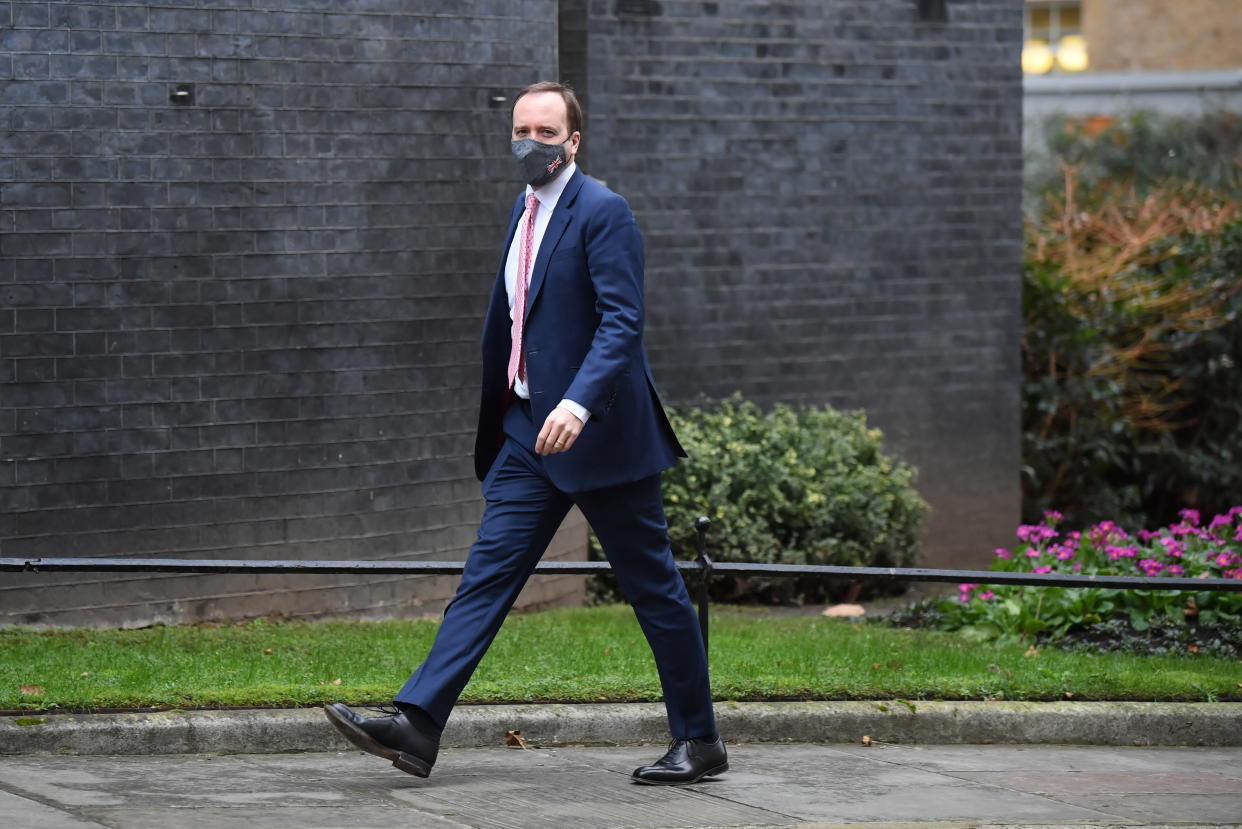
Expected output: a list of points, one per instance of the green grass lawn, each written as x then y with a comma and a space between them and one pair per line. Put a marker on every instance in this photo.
576, 654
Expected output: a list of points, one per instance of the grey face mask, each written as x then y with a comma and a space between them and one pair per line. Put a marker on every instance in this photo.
540, 162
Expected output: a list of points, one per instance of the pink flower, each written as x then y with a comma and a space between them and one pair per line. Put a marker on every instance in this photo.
1035, 533
1146, 535
1047, 568
1150, 566
1001, 552
1220, 521
987, 595
1190, 516
1053, 517
1034, 552
1172, 547
1238, 535
1226, 558
1105, 532
1175, 570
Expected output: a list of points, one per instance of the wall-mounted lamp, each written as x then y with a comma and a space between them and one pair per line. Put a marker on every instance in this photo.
933, 11
182, 94
1072, 53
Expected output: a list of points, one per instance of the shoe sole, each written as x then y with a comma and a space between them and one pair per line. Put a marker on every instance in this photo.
407, 763
721, 769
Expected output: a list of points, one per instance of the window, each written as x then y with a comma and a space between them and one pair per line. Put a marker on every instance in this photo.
1053, 38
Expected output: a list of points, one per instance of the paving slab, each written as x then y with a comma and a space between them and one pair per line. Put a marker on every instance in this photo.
769, 785
1003, 758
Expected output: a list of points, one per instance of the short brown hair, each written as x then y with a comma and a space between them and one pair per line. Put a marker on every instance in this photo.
572, 107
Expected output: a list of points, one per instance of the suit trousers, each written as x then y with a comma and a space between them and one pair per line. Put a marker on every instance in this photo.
523, 511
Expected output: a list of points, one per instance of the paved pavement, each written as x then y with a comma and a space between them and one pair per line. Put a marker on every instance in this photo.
771, 784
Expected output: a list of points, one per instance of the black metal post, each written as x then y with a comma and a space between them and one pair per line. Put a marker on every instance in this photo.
705, 574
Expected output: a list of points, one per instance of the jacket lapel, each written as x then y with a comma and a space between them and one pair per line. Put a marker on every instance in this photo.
561, 217
499, 292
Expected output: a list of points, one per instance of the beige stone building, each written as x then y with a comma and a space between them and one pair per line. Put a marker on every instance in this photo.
1103, 58
1132, 35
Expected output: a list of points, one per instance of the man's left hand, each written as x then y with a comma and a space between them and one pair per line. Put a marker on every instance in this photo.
559, 432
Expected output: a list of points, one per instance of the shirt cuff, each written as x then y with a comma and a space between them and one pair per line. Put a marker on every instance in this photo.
575, 409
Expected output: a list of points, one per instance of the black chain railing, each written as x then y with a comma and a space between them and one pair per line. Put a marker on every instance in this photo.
703, 567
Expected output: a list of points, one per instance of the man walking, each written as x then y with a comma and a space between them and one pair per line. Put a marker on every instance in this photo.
569, 415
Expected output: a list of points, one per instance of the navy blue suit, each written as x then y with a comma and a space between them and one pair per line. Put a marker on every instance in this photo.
583, 339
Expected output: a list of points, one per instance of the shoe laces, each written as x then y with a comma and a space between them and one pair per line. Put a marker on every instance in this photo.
387, 709
672, 744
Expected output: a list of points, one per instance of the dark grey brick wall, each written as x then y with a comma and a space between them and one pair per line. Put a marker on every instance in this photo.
829, 191
246, 326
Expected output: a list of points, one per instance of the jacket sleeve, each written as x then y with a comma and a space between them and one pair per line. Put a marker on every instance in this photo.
615, 260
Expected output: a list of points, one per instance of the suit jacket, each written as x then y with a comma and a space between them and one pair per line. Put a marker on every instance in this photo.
583, 340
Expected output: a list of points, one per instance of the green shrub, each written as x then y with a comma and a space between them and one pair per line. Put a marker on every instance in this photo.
789, 486
1132, 343
1132, 299
1143, 149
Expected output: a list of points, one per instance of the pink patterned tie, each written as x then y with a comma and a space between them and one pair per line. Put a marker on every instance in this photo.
517, 357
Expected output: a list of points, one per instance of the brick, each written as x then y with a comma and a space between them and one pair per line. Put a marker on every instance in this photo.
82, 16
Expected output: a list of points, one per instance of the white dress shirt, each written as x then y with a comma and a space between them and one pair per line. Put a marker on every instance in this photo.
548, 195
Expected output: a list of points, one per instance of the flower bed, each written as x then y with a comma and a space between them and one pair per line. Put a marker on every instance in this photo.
1187, 549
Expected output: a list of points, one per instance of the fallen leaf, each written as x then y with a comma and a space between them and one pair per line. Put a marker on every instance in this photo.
336, 681
1031, 651
514, 739
875, 666
85, 673
866, 740
1069, 694
267, 651
1192, 648
1192, 609
32, 690
844, 610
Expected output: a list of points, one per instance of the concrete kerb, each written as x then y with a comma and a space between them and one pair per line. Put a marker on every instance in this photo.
267, 731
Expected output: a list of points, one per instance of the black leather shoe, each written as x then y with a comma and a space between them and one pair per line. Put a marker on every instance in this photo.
394, 738
687, 761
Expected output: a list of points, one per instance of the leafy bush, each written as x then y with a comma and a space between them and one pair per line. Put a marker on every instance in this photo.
1142, 149
1131, 348
793, 487
1185, 549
